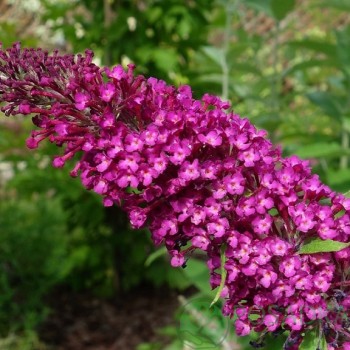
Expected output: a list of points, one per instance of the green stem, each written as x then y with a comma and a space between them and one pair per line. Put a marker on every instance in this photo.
223, 276
276, 81
230, 8
209, 327
345, 142
108, 19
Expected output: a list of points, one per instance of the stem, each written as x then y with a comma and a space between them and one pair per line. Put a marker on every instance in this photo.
345, 142
324, 165
223, 276
108, 19
207, 325
230, 8
276, 81
344, 161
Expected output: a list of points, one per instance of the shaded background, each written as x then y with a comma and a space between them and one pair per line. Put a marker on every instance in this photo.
72, 273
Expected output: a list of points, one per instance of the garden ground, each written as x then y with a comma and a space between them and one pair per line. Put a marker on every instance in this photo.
80, 322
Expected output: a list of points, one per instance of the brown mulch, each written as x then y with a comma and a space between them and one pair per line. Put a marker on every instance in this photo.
82, 322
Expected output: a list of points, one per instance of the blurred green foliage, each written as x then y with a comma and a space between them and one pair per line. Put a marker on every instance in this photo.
54, 232
292, 78
32, 255
161, 36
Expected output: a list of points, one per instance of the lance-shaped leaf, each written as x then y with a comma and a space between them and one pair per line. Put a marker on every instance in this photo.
280, 9
155, 255
223, 276
312, 340
319, 245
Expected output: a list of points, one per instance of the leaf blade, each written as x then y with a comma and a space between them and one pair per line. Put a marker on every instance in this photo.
223, 277
313, 340
319, 245
155, 255
280, 9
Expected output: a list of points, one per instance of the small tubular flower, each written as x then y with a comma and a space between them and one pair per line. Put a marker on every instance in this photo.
201, 178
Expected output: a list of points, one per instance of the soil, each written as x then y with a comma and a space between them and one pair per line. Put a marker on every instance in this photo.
83, 322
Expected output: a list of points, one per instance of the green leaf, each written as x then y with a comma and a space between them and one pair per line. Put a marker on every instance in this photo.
312, 341
197, 272
327, 49
155, 255
315, 63
148, 346
343, 47
320, 149
342, 5
154, 13
319, 245
223, 276
165, 58
175, 345
215, 54
170, 331
273, 343
323, 343
280, 8
177, 279
184, 28
260, 5
327, 102
338, 176
242, 68
210, 78
346, 122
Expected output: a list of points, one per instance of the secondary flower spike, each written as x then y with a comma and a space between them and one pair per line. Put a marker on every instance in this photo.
201, 178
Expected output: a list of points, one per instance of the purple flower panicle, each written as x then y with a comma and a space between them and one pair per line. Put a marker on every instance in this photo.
201, 178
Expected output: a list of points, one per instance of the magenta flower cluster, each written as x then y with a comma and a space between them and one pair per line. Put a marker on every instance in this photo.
201, 178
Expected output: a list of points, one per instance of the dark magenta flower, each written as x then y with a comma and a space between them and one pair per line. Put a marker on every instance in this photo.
200, 177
